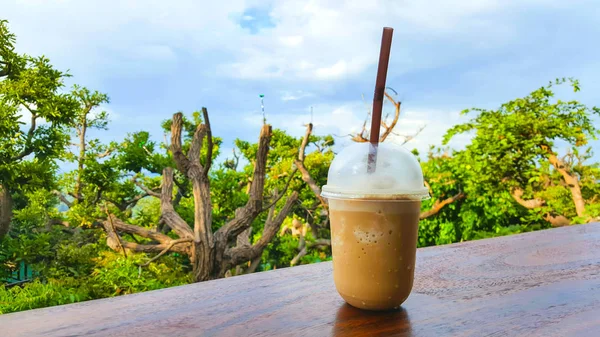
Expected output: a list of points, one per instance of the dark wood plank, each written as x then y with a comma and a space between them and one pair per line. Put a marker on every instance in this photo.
545, 283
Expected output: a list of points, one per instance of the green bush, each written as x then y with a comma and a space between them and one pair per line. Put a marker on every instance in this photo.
38, 294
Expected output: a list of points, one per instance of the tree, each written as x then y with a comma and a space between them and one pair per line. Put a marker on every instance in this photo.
84, 121
514, 149
30, 89
211, 253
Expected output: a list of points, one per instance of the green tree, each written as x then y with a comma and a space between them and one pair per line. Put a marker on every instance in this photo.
514, 151
30, 90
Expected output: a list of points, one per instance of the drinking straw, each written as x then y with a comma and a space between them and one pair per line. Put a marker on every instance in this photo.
384, 59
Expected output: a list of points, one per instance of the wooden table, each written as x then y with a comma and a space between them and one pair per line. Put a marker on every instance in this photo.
545, 283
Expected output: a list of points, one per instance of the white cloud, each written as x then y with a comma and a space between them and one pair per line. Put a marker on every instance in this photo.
292, 41
347, 118
336, 119
113, 116
86, 36
296, 95
338, 69
327, 40
341, 38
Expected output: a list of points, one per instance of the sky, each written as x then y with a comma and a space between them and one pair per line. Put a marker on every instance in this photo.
154, 58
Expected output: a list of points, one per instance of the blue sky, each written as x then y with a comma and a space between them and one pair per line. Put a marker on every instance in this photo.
154, 58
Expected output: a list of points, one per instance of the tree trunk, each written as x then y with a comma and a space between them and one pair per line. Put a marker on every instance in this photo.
573, 183
202, 259
5, 211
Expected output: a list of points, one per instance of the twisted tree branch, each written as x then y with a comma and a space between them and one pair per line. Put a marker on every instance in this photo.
246, 214
181, 160
168, 214
62, 198
164, 251
144, 188
299, 162
517, 194
209, 147
246, 253
438, 205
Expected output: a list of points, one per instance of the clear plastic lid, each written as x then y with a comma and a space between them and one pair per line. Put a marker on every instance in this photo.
397, 174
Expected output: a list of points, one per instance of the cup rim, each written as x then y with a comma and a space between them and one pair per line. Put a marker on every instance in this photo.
339, 194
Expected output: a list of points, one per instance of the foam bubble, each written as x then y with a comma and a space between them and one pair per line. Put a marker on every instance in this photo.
366, 237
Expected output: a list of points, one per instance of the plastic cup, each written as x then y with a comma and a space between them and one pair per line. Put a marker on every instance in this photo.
374, 221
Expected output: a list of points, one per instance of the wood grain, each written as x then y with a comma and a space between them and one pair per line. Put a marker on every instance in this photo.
545, 283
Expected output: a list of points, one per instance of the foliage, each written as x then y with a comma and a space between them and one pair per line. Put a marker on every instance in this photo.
39, 295
34, 115
514, 149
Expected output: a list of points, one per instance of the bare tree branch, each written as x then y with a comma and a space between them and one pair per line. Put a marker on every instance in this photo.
556, 220
299, 256
181, 160
306, 177
408, 138
168, 214
278, 196
363, 135
104, 154
572, 181
304, 246
438, 205
245, 253
209, 145
126, 204
143, 187
112, 228
115, 242
192, 168
426, 183
164, 251
236, 160
244, 238
517, 194
305, 139
62, 198
196, 146
28, 149
388, 129
120, 225
245, 215
253, 265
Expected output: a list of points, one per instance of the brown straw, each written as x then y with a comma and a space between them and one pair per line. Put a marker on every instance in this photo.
384, 60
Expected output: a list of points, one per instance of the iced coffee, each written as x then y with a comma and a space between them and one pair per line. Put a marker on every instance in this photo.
374, 225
